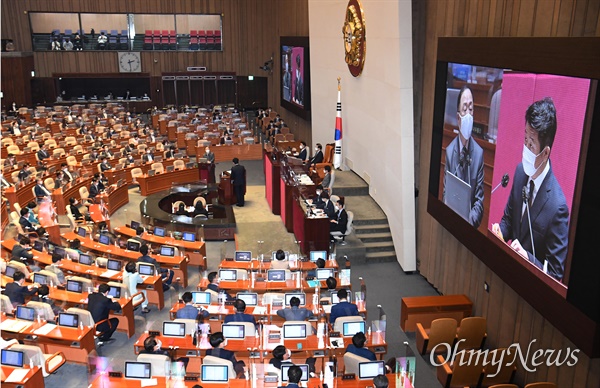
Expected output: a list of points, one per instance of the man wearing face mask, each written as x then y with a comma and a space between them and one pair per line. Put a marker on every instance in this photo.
536, 195
464, 157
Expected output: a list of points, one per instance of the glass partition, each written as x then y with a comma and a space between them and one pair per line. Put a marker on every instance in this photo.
51, 30
105, 31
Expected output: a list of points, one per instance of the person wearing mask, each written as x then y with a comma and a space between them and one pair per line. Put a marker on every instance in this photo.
32, 217
295, 312
153, 345
344, 308
218, 343
304, 152
213, 284
105, 166
94, 189
189, 311
100, 306
76, 212
41, 191
165, 274
43, 153
170, 154
148, 157
340, 222
54, 268
10, 161
240, 315
24, 221
209, 155
17, 291
238, 180
280, 261
357, 347
328, 179
21, 253
67, 176
131, 278
318, 156
24, 173
318, 201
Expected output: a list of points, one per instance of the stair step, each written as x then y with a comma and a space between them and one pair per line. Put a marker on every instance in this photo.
374, 228
374, 237
380, 257
374, 221
379, 246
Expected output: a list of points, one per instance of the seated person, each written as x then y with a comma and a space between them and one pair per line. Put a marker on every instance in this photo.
313, 272
138, 234
240, 315
42, 296
17, 291
281, 355
32, 217
165, 274
344, 308
131, 278
103, 230
181, 211
381, 381
213, 280
76, 212
328, 207
218, 342
295, 312
189, 311
357, 347
294, 376
21, 253
41, 191
24, 221
340, 222
74, 250
280, 261
317, 200
105, 166
56, 258
152, 345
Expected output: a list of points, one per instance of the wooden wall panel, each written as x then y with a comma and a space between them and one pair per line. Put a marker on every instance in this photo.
16, 79
448, 265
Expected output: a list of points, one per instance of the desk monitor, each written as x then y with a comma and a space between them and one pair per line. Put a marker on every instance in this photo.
170, 168
351, 328
158, 231
69, 320
38, 245
60, 251
299, 295
287, 255
146, 269
243, 256
178, 155
114, 292
134, 246
12, 358
228, 274
215, 373
188, 236
75, 286
316, 255
458, 195
40, 279
233, 331
85, 259
369, 370
324, 273
174, 329
137, 370
10, 271
200, 297
336, 300
113, 264
285, 367
104, 239
151, 172
190, 165
24, 312
276, 275
135, 225
250, 298
166, 250
81, 231
294, 331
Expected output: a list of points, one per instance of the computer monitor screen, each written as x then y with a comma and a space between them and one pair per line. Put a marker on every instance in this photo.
215, 373
324, 273
190, 165
166, 250
228, 274
369, 370
10, 271
146, 269
85, 259
114, 265
40, 279
133, 246
135, 225
27, 313
38, 245
74, 286
60, 251
190, 237
316, 255
174, 329
158, 231
104, 239
294, 331
12, 358
286, 367
69, 320
115, 292
351, 328
233, 331
299, 295
81, 231
335, 299
276, 275
250, 298
137, 370
243, 256
201, 297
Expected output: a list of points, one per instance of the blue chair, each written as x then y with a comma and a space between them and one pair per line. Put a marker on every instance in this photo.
112, 42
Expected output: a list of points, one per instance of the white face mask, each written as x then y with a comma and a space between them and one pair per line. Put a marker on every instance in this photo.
529, 161
466, 125
318, 192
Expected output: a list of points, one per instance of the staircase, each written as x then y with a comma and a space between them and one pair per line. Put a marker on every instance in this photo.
377, 239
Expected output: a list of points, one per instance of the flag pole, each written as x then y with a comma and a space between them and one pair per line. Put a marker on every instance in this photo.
337, 156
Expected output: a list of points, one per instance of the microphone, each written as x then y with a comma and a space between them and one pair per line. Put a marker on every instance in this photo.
525, 194
503, 183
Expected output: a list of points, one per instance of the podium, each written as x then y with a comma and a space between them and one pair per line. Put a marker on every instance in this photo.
226, 195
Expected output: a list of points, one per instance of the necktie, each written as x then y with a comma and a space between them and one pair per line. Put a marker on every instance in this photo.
531, 188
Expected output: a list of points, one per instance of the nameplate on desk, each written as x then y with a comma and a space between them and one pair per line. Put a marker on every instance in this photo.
152, 332
271, 379
349, 376
115, 374
334, 334
324, 303
274, 336
379, 349
229, 259
190, 378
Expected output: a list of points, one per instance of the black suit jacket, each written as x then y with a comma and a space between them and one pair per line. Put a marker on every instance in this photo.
18, 252
318, 202
41, 154
76, 213
222, 353
238, 175
39, 191
302, 155
317, 158
94, 191
25, 224
17, 293
23, 174
329, 210
342, 220
100, 306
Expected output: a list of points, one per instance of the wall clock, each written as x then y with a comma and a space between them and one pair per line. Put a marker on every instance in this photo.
129, 62
354, 35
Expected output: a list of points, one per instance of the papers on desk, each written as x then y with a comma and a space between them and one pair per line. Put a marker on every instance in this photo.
110, 273
305, 180
14, 325
148, 382
47, 328
260, 310
327, 308
17, 375
216, 309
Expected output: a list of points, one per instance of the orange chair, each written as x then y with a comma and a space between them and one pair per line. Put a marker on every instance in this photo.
459, 374
503, 376
471, 333
442, 331
541, 385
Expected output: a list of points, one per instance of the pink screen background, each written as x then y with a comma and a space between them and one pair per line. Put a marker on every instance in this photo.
570, 97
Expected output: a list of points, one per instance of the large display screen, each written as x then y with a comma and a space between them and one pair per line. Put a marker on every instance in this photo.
295, 75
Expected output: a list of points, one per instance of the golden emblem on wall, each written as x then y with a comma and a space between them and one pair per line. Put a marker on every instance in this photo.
354, 35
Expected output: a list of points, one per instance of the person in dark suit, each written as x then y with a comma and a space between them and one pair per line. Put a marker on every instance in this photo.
17, 292
148, 157
10, 161
24, 172
298, 83
67, 176
100, 305
165, 273
340, 222
152, 345
240, 315
43, 153
76, 212
294, 376
104, 166
464, 157
318, 156
344, 308
328, 206
381, 381
41, 191
544, 203
357, 347
170, 154
94, 189
209, 155
295, 312
189, 311
213, 284
24, 221
318, 200
129, 159
218, 342
281, 355
21, 252
238, 179
303, 155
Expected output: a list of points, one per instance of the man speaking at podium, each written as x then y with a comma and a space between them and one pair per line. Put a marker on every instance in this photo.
536, 201
464, 158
